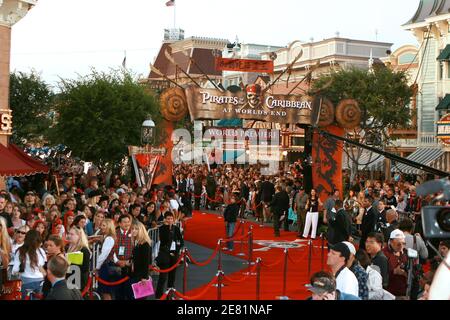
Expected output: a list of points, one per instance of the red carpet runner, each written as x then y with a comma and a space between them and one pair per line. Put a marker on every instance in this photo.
206, 229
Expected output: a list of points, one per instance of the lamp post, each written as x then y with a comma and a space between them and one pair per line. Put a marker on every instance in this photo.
147, 131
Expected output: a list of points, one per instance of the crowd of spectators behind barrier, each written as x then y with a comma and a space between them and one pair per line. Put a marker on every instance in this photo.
380, 218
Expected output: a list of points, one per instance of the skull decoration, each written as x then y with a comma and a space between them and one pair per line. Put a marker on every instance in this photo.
254, 95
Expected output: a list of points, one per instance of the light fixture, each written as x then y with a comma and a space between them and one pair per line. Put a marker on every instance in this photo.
147, 130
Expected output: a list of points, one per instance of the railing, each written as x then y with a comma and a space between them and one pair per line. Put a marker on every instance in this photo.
423, 139
427, 139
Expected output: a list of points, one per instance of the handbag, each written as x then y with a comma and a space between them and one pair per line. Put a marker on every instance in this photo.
143, 289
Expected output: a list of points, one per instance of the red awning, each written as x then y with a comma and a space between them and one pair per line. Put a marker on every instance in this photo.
14, 162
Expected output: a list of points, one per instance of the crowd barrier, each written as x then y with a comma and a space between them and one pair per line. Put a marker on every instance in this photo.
254, 268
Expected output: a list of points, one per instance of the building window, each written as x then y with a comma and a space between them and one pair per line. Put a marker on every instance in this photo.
298, 141
441, 70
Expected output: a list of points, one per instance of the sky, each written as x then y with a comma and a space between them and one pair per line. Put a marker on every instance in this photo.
67, 38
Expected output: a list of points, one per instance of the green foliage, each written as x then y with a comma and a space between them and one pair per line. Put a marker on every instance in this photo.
101, 114
30, 101
383, 95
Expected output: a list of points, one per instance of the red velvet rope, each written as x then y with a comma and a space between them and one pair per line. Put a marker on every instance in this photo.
163, 297
171, 268
88, 285
202, 293
208, 261
112, 284
235, 239
272, 265
241, 279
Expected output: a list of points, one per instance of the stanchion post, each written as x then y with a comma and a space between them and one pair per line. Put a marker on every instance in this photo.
285, 267
258, 278
322, 249
219, 265
250, 247
309, 257
219, 261
241, 253
219, 284
185, 270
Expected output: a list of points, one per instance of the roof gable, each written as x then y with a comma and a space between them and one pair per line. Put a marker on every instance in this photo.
429, 8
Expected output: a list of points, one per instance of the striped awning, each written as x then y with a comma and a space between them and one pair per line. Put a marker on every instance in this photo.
368, 160
425, 156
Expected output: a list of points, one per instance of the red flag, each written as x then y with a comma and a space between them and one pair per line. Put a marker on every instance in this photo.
170, 3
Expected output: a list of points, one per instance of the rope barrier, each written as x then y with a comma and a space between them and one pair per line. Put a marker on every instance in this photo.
112, 284
235, 239
272, 265
163, 297
290, 258
241, 279
169, 269
236, 231
208, 261
88, 286
202, 293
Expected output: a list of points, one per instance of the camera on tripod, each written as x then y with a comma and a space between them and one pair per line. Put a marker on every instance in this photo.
436, 219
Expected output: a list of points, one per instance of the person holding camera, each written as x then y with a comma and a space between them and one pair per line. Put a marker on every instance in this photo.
395, 252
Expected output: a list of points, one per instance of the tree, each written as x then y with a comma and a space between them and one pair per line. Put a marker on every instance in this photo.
30, 101
101, 114
383, 96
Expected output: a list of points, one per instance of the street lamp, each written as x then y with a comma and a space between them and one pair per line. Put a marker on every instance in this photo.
147, 131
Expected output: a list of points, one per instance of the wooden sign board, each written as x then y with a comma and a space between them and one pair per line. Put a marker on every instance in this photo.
5, 122
244, 65
205, 104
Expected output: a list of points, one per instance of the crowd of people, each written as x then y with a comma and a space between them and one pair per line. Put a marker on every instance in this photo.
40, 228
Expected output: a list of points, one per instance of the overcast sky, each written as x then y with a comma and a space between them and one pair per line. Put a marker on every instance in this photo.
60, 38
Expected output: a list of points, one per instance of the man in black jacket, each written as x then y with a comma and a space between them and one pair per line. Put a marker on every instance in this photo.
211, 188
369, 221
340, 225
267, 192
56, 273
280, 207
171, 243
230, 215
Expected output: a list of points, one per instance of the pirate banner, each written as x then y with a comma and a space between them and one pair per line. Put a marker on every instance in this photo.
327, 162
251, 104
145, 165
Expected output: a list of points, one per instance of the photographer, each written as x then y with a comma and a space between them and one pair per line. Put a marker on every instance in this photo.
414, 241
395, 252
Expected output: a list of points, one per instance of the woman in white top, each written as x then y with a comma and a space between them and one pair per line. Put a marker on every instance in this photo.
29, 261
105, 262
15, 217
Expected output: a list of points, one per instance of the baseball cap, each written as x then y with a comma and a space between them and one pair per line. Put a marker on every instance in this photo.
343, 249
397, 234
350, 246
321, 285
94, 193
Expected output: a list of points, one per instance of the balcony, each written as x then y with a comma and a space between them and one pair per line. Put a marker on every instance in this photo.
423, 140
427, 139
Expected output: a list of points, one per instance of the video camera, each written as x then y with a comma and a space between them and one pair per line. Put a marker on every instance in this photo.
436, 219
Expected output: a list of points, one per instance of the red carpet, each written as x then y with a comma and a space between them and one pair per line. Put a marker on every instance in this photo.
206, 229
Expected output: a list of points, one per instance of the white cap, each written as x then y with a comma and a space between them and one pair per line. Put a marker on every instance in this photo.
397, 234
351, 247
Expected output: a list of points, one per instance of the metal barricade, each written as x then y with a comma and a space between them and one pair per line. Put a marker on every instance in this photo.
96, 249
153, 233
